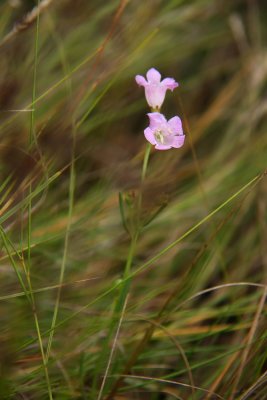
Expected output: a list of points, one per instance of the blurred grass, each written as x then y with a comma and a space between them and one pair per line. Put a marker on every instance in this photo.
194, 324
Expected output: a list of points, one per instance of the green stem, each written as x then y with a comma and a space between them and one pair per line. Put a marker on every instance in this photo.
145, 162
32, 139
126, 281
143, 175
30, 297
71, 193
64, 258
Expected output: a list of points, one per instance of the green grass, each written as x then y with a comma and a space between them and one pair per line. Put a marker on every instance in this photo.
128, 273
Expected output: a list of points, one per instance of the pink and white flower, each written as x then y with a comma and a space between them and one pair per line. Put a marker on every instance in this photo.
164, 134
155, 90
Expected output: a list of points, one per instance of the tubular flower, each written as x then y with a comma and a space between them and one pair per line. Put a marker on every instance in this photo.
155, 90
164, 134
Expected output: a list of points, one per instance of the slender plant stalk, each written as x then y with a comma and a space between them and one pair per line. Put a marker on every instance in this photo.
13, 262
126, 280
145, 162
32, 139
112, 351
72, 180
64, 258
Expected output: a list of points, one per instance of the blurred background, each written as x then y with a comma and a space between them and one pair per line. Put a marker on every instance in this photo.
72, 118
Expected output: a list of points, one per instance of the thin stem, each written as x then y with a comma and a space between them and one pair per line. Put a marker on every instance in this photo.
16, 269
140, 196
116, 314
30, 298
37, 326
145, 162
126, 281
112, 351
64, 258
32, 139
71, 193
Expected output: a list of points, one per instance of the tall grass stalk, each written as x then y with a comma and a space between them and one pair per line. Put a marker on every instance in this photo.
33, 141
125, 284
71, 193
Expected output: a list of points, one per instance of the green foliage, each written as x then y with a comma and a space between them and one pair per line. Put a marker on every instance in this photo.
124, 279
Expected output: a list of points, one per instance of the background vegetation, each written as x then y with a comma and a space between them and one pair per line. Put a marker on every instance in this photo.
188, 319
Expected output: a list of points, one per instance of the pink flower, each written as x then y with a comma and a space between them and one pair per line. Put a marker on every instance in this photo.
164, 134
155, 89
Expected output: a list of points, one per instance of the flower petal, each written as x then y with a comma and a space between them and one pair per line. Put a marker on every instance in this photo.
153, 76
140, 80
162, 147
149, 136
155, 94
178, 141
175, 125
169, 83
156, 120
